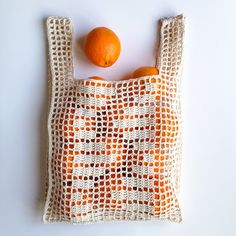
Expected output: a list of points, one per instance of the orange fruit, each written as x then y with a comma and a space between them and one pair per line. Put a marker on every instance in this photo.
96, 78
144, 71
102, 46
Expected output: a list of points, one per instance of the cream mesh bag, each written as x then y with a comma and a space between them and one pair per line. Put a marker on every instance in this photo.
114, 146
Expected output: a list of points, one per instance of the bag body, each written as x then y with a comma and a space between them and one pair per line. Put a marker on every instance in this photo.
114, 146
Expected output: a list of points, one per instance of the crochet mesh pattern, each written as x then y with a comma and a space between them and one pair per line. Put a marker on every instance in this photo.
114, 146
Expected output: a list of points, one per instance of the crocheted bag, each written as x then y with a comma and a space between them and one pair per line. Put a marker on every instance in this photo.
114, 146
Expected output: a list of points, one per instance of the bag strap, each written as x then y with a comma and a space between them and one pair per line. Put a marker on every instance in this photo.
170, 58
59, 33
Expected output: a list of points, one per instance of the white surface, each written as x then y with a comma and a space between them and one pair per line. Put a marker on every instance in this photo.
208, 189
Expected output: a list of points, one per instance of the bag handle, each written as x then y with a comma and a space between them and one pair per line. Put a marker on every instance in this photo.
59, 33
170, 58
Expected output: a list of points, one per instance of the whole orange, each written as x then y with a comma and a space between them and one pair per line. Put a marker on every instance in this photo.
102, 46
144, 71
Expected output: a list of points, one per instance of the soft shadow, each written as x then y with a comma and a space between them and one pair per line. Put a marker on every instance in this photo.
78, 52
42, 135
157, 45
80, 49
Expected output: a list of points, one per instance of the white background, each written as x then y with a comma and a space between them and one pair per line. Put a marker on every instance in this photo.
208, 189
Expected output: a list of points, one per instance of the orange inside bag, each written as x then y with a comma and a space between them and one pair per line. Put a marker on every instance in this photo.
100, 196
